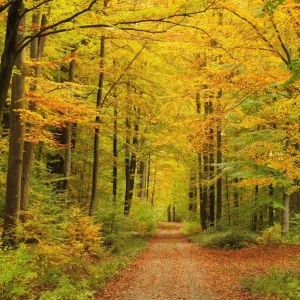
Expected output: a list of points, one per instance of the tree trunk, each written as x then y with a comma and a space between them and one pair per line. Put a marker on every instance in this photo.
211, 174
154, 185
271, 208
67, 139
148, 176
15, 156
254, 217
10, 50
219, 170
36, 53
236, 202
227, 200
286, 214
193, 194
97, 130
174, 214
115, 151
169, 213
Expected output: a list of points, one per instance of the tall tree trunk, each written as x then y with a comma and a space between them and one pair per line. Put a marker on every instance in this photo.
174, 214
254, 216
211, 171
169, 213
10, 50
201, 177
97, 130
193, 194
227, 200
219, 169
236, 201
148, 176
286, 214
15, 155
154, 186
115, 151
271, 208
36, 53
67, 139
127, 161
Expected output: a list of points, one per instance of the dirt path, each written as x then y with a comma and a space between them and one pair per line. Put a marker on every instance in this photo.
169, 269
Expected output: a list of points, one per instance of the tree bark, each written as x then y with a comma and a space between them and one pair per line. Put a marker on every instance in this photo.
154, 186
115, 151
169, 213
97, 130
254, 217
36, 53
219, 170
286, 214
211, 174
15, 155
10, 50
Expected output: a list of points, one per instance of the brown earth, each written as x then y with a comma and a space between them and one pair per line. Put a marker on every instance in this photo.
168, 269
173, 268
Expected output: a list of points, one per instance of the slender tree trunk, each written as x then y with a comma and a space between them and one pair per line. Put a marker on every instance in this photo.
254, 217
286, 214
211, 170
271, 208
97, 130
127, 164
193, 194
174, 214
219, 169
15, 156
236, 201
201, 177
148, 176
10, 50
169, 213
67, 139
36, 53
154, 186
227, 200
115, 151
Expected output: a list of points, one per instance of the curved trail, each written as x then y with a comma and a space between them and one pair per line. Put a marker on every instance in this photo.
170, 268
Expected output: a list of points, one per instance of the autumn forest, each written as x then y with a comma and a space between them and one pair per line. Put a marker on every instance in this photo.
148, 136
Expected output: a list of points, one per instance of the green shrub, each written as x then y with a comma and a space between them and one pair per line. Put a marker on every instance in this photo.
191, 228
271, 235
230, 240
282, 284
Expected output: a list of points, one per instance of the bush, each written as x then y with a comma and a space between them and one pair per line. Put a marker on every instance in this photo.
272, 235
191, 228
230, 240
275, 284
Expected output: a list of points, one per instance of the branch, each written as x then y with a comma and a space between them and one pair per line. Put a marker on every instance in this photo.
260, 34
121, 76
43, 32
5, 6
23, 44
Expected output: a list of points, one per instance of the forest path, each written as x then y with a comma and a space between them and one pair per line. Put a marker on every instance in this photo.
169, 268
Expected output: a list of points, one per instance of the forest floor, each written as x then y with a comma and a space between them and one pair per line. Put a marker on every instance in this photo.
174, 268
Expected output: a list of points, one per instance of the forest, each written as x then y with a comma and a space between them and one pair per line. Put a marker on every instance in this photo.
123, 120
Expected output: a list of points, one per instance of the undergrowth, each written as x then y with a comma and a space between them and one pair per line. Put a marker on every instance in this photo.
64, 254
275, 284
224, 240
